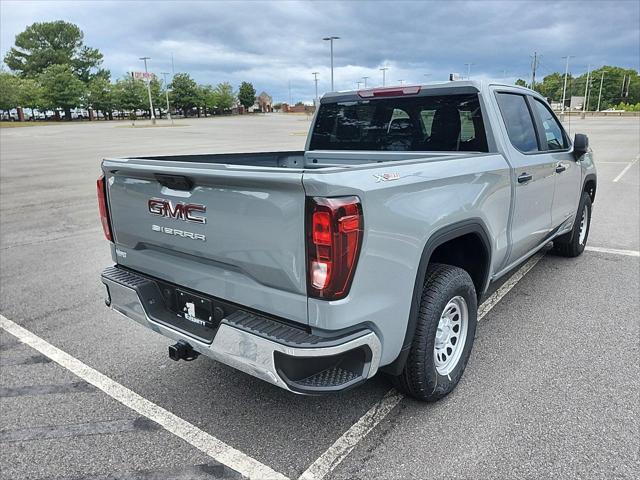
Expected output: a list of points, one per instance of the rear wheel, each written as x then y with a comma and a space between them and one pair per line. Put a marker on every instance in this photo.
444, 334
572, 244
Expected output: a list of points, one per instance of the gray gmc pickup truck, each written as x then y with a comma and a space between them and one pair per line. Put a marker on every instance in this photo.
370, 250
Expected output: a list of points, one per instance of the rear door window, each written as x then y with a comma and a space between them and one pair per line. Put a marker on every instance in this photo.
518, 120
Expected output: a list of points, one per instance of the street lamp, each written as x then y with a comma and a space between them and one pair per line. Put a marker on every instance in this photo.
153, 116
315, 79
384, 71
166, 92
365, 81
469, 70
566, 74
331, 39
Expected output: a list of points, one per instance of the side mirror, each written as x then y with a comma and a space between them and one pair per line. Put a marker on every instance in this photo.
580, 145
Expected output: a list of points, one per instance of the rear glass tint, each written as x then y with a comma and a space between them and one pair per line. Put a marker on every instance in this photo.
428, 123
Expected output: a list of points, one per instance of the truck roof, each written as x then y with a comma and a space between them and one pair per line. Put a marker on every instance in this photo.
463, 86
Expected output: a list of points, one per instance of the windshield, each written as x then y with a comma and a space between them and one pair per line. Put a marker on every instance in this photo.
428, 123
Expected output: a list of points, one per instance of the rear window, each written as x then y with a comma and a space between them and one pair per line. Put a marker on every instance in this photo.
431, 123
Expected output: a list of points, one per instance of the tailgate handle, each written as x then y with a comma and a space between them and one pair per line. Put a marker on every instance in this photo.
174, 182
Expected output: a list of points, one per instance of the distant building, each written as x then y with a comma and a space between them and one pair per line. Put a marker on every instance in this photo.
264, 102
297, 108
576, 103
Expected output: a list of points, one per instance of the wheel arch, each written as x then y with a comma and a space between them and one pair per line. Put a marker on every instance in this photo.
589, 185
473, 227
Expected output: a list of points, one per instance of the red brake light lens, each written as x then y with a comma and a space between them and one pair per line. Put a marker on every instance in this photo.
334, 236
390, 91
102, 206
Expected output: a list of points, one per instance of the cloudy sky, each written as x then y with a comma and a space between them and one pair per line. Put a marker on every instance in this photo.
277, 44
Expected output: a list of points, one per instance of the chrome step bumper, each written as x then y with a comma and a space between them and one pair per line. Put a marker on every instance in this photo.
288, 357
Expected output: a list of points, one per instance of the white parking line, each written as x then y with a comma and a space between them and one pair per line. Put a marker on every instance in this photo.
342, 447
216, 449
614, 251
626, 169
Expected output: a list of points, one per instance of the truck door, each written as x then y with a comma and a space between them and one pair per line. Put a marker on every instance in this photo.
533, 175
568, 177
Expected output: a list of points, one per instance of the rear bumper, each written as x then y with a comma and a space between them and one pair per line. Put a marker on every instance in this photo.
275, 352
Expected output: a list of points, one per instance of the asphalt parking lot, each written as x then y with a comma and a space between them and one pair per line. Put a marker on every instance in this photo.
551, 389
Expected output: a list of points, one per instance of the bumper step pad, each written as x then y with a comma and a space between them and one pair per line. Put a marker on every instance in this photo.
331, 377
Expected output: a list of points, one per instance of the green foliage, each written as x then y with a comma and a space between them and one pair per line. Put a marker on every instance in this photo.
612, 94
157, 95
219, 99
185, 93
551, 86
61, 88
9, 91
627, 107
100, 95
225, 98
42, 45
246, 95
130, 94
30, 93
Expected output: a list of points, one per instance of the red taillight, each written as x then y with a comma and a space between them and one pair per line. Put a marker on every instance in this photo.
334, 236
390, 91
102, 206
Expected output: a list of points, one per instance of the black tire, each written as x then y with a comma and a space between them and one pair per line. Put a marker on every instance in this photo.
420, 378
569, 244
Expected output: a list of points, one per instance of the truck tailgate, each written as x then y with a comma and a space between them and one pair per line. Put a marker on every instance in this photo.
232, 233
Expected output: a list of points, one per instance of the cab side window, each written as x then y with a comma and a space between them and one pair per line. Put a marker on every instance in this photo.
553, 134
518, 121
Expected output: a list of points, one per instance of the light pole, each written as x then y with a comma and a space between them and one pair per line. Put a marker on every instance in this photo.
426, 75
315, 79
400, 82
469, 70
331, 39
365, 81
586, 91
566, 75
166, 92
600, 94
358, 83
384, 71
153, 116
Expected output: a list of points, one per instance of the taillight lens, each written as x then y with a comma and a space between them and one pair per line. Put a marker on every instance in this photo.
334, 236
102, 206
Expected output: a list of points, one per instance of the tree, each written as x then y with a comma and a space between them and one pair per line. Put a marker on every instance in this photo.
100, 96
130, 94
246, 95
225, 98
61, 89
157, 96
30, 94
551, 86
521, 83
184, 93
9, 91
45, 44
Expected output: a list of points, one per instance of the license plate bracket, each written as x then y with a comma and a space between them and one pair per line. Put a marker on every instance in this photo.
195, 309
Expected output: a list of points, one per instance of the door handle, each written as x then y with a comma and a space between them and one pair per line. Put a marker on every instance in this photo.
524, 177
560, 168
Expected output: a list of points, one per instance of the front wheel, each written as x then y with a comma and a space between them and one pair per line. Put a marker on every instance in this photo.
444, 335
572, 244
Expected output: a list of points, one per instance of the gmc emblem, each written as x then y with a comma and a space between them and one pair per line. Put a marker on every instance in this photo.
181, 211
